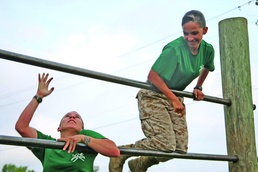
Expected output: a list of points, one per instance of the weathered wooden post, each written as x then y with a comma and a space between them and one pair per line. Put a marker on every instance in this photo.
236, 83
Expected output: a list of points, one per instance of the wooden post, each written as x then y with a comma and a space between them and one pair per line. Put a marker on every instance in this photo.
236, 83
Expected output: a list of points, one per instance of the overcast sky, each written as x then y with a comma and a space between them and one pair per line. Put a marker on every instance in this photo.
121, 38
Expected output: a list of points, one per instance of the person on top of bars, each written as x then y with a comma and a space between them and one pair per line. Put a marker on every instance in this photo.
162, 113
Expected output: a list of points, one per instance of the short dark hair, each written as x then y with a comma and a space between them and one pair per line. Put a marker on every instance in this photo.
194, 16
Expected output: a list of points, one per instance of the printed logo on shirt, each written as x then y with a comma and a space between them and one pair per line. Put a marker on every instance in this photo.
77, 156
201, 68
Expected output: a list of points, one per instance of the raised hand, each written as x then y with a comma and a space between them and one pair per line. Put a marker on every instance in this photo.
44, 82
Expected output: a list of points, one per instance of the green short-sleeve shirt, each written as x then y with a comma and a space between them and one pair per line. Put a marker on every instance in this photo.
59, 160
178, 67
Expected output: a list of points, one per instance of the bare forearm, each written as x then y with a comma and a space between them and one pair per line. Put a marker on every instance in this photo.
202, 77
22, 124
155, 79
103, 146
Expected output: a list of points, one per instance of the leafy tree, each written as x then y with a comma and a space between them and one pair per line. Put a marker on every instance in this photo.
13, 168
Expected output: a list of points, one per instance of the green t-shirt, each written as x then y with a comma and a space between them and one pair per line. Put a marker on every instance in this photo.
57, 160
178, 67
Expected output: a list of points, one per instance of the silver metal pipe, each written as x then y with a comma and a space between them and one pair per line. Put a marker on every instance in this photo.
96, 75
31, 142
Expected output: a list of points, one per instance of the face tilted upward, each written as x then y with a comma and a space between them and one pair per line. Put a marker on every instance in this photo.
71, 120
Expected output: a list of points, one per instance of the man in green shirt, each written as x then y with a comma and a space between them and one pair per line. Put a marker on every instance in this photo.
71, 130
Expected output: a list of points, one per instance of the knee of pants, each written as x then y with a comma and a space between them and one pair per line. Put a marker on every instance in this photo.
167, 145
171, 146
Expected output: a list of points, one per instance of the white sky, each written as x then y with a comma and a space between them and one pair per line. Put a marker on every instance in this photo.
104, 36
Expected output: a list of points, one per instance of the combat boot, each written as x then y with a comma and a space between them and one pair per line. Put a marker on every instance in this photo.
142, 163
116, 164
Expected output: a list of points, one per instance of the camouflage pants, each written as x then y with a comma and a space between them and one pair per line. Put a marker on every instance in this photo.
164, 129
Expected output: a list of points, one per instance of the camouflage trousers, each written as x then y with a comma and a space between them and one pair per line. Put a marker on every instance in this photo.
164, 129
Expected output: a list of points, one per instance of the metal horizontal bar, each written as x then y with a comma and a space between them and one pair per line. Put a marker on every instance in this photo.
31, 142
96, 75
196, 156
